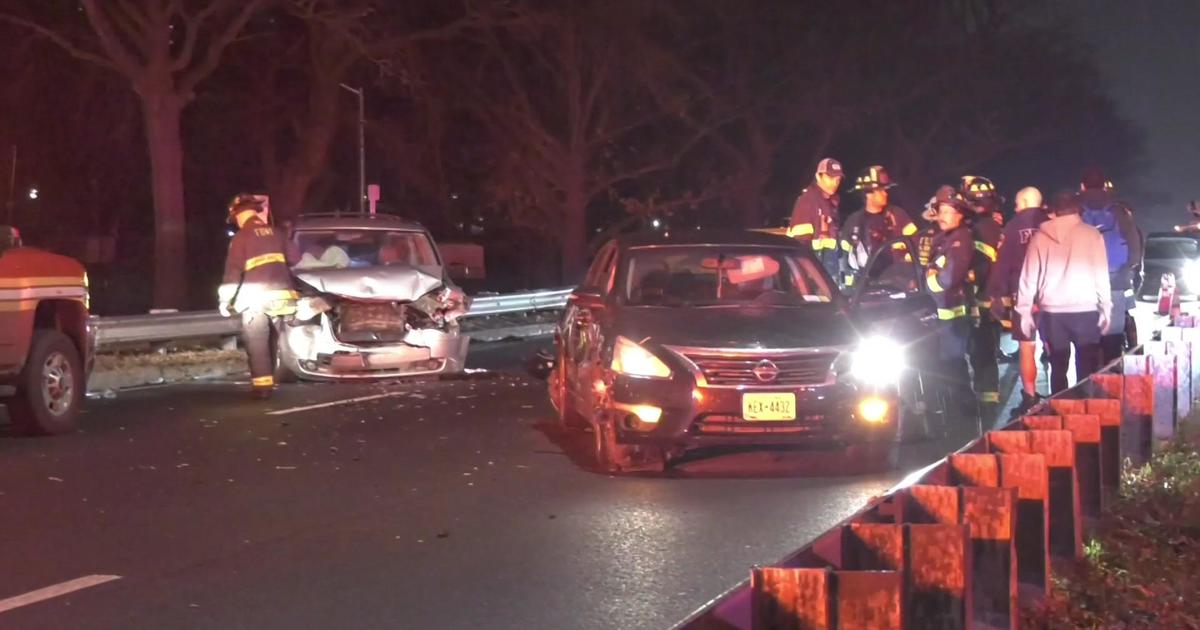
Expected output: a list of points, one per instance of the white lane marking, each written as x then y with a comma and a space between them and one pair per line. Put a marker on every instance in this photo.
336, 403
58, 590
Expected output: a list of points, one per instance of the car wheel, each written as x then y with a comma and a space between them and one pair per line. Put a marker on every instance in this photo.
610, 456
279, 349
51, 388
568, 417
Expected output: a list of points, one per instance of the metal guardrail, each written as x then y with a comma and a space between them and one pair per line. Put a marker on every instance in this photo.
111, 331
766, 601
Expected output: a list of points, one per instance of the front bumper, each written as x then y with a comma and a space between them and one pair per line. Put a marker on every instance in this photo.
700, 417
312, 352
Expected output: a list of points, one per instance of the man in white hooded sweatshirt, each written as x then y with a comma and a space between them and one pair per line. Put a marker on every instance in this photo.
1065, 277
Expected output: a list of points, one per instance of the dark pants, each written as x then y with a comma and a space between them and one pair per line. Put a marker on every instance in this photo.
1060, 331
952, 374
829, 260
985, 341
256, 338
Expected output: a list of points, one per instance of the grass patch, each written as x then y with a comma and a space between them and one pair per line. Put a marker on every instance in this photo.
1141, 568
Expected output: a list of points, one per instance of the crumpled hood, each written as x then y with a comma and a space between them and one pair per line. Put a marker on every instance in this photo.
1059, 227
394, 282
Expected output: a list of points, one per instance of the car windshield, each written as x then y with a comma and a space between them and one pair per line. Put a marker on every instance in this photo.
1167, 248
341, 249
723, 276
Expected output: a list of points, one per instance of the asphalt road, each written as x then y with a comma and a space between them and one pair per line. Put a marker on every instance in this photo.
445, 504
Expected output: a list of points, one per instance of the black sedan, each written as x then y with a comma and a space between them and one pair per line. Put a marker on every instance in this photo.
1170, 252
734, 341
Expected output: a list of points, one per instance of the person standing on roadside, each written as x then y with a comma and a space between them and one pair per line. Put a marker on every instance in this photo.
949, 264
986, 228
1101, 209
877, 223
815, 214
1065, 276
1006, 277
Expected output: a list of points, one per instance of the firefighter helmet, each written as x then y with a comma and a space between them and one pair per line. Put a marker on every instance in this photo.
249, 202
873, 178
948, 196
980, 193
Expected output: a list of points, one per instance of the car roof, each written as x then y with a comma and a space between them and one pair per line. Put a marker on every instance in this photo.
705, 237
1173, 235
355, 222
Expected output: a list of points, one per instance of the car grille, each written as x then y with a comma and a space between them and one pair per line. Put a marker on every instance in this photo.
365, 323
729, 370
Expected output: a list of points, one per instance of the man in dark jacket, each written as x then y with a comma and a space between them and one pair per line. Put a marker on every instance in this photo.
815, 214
874, 225
257, 285
946, 279
986, 230
1006, 277
1101, 209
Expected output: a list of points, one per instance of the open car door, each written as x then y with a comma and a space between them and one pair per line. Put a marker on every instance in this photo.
890, 299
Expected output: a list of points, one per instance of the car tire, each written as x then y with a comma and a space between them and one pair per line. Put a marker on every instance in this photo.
51, 387
568, 418
281, 371
610, 456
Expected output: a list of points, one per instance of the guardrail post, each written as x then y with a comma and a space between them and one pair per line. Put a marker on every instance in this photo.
1137, 412
798, 599
1028, 475
1058, 448
1182, 351
990, 516
1165, 367
867, 600
1085, 430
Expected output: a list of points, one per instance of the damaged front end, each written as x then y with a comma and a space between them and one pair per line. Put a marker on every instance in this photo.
379, 322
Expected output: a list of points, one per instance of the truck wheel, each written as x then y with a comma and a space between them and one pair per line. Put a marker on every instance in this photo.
50, 392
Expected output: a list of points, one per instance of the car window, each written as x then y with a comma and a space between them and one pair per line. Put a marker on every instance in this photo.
598, 274
723, 276
1167, 248
341, 249
892, 270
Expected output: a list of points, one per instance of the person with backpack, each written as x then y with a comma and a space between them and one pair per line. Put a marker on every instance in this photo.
1100, 209
1065, 277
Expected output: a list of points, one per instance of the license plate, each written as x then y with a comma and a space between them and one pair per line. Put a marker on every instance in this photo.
779, 407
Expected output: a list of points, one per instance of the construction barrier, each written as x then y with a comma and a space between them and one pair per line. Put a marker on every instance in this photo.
961, 543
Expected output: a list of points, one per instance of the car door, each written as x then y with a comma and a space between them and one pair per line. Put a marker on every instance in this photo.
891, 298
581, 334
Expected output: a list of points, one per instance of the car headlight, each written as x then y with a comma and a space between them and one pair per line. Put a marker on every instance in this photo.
633, 360
1191, 276
878, 361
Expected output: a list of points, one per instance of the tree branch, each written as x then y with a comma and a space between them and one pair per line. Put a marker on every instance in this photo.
62, 42
111, 42
220, 41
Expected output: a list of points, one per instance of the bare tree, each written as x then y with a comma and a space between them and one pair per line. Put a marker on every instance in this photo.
165, 49
575, 111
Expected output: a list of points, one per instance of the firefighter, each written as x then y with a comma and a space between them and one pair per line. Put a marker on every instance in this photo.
985, 221
1005, 278
926, 235
946, 277
257, 284
869, 228
815, 214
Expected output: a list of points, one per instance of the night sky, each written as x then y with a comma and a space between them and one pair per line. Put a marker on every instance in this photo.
1150, 54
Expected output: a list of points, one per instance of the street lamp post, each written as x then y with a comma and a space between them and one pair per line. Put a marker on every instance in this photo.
362, 150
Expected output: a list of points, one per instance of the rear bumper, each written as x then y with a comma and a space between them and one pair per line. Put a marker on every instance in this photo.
312, 352
826, 416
